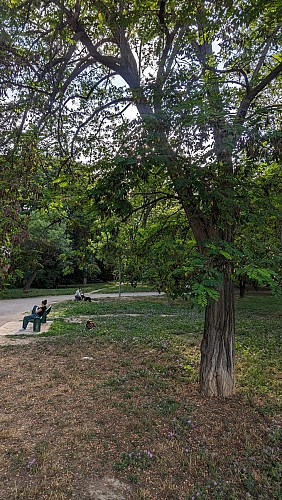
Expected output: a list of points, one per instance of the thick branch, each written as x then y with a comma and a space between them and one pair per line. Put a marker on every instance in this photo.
167, 60
253, 93
125, 65
264, 53
202, 60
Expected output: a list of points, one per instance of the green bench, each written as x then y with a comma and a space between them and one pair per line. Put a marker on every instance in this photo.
42, 319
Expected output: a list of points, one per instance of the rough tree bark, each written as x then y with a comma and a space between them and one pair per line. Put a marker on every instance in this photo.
217, 349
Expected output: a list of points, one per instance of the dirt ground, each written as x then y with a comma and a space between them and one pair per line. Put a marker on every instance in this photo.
91, 420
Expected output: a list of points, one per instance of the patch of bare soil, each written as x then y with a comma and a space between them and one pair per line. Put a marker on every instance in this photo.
94, 421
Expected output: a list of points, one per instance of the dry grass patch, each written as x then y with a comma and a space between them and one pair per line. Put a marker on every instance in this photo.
96, 418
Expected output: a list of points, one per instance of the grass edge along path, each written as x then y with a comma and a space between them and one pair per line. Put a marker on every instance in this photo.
109, 287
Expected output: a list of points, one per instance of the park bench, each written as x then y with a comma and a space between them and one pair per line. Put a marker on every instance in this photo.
42, 319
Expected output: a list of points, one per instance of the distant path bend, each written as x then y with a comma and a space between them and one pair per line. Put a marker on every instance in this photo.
15, 309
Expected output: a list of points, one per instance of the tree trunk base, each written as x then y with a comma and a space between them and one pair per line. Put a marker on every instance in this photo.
219, 383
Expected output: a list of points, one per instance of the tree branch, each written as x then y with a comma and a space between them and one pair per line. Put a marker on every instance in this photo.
235, 69
164, 68
264, 53
96, 112
253, 93
78, 96
125, 65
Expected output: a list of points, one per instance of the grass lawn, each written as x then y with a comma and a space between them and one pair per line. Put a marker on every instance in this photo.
115, 412
109, 287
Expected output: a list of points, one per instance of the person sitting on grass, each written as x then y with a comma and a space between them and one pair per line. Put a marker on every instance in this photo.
79, 295
37, 312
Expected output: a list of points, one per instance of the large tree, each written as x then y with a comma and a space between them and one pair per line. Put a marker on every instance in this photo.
202, 78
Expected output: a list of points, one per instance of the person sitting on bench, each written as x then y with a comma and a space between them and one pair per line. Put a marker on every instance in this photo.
37, 312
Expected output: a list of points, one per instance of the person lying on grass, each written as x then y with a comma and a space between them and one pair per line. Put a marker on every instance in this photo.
37, 312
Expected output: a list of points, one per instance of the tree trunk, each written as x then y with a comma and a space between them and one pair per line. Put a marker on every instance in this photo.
242, 286
217, 349
29, 281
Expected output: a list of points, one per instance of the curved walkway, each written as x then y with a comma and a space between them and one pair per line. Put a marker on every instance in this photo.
15, 309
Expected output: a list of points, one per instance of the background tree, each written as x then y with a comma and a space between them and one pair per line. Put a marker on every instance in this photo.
43, 250
18, 188
259, 241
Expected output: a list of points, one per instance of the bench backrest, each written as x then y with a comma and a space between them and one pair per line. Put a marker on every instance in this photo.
48, 310
43, 317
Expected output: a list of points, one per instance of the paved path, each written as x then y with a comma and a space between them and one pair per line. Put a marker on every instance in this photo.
15, 309
9, 333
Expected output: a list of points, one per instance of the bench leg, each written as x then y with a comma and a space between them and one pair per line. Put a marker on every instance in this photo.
36, 325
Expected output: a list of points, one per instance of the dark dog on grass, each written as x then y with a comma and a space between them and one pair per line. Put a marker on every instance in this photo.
90, 325
87, 299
